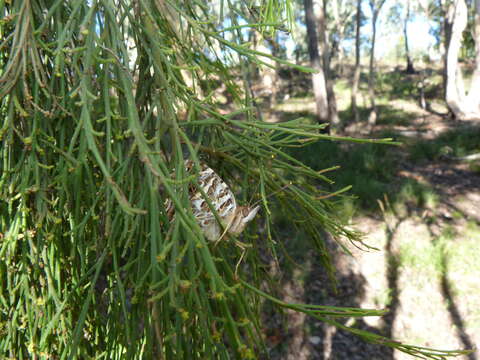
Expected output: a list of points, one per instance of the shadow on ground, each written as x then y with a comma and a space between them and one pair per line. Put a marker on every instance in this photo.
424, 180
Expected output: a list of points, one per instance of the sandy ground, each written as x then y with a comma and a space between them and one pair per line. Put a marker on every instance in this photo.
425, 273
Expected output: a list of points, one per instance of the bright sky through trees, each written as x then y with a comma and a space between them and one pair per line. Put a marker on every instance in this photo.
421, 41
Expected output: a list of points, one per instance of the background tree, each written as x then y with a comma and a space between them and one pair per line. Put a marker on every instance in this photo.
375, 7
405, 11
356, 72
435, 10
318, 78
319, 52
325, 47
464, 106
341, 14
406, 19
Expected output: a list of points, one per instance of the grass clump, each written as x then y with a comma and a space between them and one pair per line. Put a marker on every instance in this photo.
368, 168
455, 143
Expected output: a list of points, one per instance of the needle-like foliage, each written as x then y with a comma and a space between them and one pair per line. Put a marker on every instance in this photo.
101, 102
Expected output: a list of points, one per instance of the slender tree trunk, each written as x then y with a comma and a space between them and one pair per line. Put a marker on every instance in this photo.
325, 51
340, 30
457, 21
446, 28
267, 77
409, 69
356, 75
318, 79
341, 14
376, 7
341, 58
372, 119
462, 106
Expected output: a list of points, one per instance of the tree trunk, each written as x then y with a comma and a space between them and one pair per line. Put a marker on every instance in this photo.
409, 69
446, 28
318, 79
267, 81
339, 25
474, 92
372, 118
333, 118
462, 106
342, 13
376, 7
356, 75
341, 58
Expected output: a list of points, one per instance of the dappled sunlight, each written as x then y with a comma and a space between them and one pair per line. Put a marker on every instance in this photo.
295, 105
416, 257
469, 205
408, 107
425, 271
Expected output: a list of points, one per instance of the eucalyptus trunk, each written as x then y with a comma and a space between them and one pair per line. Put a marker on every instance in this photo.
409, 65
341, 13
356, 72
463, 105
333, 118
375, 9
372, 118
318, 78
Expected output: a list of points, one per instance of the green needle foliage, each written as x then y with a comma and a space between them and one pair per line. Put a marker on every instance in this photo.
101, 102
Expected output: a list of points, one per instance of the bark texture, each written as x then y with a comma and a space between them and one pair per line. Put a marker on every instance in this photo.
333, 118
318, 79
375, 6
409, 66
463, 106
356, 74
